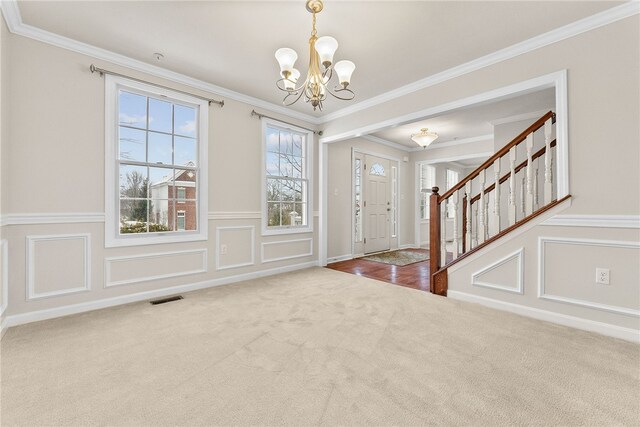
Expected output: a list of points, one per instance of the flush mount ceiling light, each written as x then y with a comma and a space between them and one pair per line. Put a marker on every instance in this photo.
315, 86
424, 138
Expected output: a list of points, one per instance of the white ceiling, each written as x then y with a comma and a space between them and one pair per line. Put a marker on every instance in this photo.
231, 43
471, 122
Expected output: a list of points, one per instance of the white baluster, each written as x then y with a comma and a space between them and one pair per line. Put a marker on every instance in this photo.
496, 196
482, 215
443, 232
454, 211
529, 196
536, 199
474, 233
467, 189
512, 186
523, 193
486, 217
548, 163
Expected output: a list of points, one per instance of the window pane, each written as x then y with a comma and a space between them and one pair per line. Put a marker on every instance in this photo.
160, 177
273, 190
132, 144
298, 187
133, 181
273, 140
132, 110
287, 210
286, 143
159, 215
296, 167
297, 145
186, 151
286, 165
273, 164
160, 151
288, 190
300, 218
273, 214
185, 120
160, 115
133, 216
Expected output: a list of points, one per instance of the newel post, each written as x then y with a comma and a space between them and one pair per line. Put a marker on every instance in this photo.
434, 237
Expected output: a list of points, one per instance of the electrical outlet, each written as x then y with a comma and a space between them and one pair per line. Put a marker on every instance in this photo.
602, 276
223, 249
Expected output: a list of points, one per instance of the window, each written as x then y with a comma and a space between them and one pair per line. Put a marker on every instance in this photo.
394, 201
181, 220
182, 194
155, 159
453, 177
287, 202
377, 169
427, 181
357, 195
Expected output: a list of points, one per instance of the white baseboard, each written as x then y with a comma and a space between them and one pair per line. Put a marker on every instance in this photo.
549, 316
34, 316
3, 327
340, 258
407, 246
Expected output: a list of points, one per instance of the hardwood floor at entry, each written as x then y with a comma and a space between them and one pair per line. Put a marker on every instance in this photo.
414, 276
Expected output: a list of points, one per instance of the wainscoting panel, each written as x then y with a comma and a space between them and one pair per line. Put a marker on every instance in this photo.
125, 270
506, 274
58, 265
235, 246
567, 273
286, 249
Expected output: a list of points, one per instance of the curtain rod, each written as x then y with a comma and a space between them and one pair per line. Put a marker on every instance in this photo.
102, 72
255, 113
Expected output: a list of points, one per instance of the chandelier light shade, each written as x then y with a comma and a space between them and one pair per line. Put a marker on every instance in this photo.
424, 138
315, 87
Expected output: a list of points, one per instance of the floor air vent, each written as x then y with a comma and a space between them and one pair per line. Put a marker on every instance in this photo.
165, 300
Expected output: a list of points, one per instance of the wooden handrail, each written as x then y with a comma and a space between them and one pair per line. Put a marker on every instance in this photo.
517, 169
500, 153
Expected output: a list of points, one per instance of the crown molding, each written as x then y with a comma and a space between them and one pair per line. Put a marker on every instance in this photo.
598, 20
518, 118
15, 25
12, 16
470, 140
382, 141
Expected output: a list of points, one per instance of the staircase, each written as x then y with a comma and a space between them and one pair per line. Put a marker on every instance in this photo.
476, 209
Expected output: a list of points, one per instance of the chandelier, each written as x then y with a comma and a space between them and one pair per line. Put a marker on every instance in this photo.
315, 86
424, 138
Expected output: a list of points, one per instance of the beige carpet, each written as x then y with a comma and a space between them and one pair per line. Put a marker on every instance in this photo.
315, 347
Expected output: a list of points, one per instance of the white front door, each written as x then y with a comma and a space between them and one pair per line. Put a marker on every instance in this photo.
377, 204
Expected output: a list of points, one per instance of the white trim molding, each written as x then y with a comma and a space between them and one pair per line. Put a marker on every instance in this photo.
234, 215
284, 242
518, 256
395, 145
339, 258
14, 23
4, 280
108, 262
550, 316
542, 293
30, 244
518, 118
53, 218
34, 316
573, 29
253, 247
598, 221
